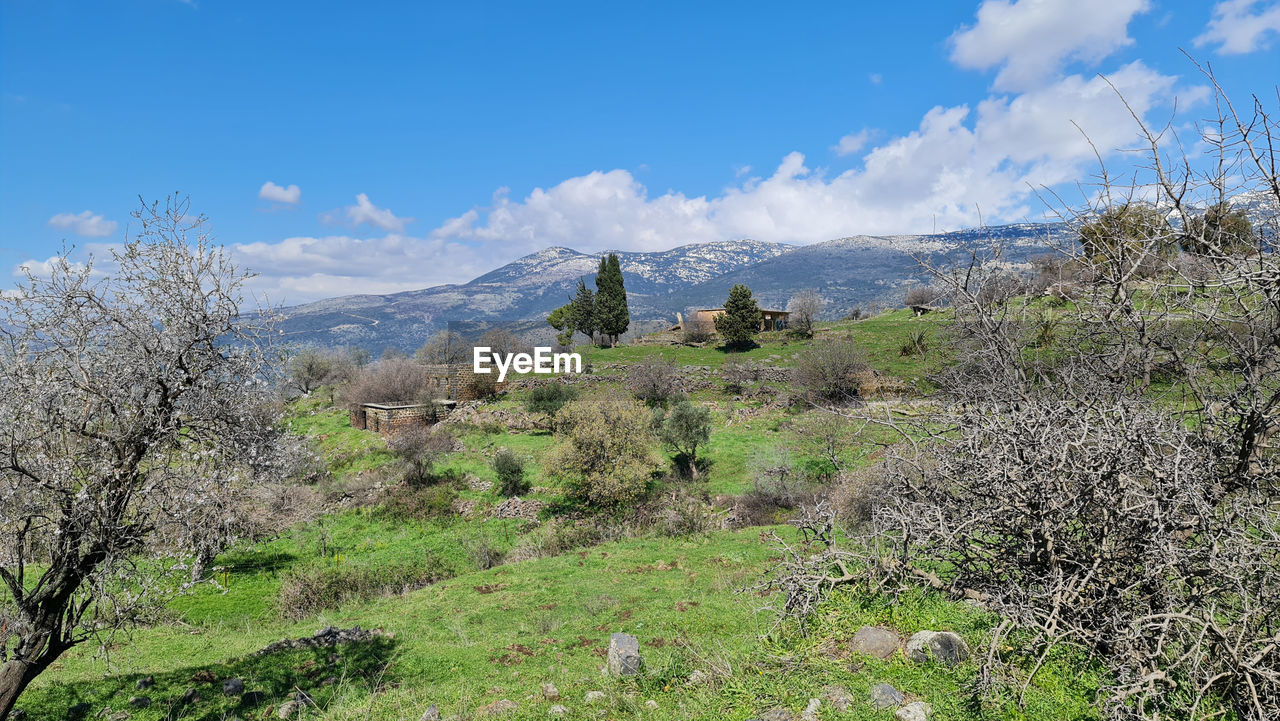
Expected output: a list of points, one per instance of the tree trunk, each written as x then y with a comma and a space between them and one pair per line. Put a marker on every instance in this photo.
14, 677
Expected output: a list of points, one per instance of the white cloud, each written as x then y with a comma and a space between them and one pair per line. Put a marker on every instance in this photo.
1240, 26
875, 78
87, 224
1031, 40
289, 195
852, 143
366, 212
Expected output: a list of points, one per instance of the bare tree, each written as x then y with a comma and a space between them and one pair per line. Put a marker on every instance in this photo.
311, 368
447, 347
804, 308
132, 404
1116, 492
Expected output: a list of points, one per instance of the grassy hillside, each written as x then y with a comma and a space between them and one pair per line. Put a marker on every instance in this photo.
461, 635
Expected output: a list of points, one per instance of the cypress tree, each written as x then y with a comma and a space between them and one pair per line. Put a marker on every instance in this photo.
612, 316
741, 318
583, 310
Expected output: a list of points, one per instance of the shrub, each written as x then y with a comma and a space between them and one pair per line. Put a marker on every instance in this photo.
418, 448
509, 468
419, 503
549, 399
683, 430
804, 307
697, 330
605, 456
485, 553
306, 591
916, 343
737, 374
828, 372
394, 380
653, 382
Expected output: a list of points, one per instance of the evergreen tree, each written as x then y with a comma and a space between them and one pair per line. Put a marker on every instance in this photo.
562, 320
612, 316
583, 313
741, 318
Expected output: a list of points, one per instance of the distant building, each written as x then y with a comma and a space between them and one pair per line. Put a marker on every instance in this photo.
448, 384
769, 319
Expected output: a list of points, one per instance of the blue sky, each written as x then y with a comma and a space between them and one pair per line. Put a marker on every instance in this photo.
342, 148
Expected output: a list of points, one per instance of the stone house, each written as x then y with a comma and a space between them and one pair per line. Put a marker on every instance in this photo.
448, 384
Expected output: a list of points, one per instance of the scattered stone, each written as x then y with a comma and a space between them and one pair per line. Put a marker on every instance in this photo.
697, 677
191, 696
146, 683
550, 692
497, 708
915, 711
303, 698
289, 709
651, 704
558, 710
838, 697
943, 646
524, 510
323, 638
593, 696
119, 716
140, 702
777, 714
885, 696
874, 641
624, 655
431, 714
810, 712
233, 687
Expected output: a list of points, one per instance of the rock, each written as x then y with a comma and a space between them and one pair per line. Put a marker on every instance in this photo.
288, 709
651, 704
497, 708
119, 716
885, 696
431, 714
916, 711
146, 683
233, 687
838, 697
810, 712
140, 702
943, 646
697, 677
550, 692
103, 712
624, 655
18, 714
303, 698
191, 696
874, 641
558, 710
594, 697
253, 697
777, 714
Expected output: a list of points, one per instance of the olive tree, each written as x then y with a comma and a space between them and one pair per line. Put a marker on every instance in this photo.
135, 399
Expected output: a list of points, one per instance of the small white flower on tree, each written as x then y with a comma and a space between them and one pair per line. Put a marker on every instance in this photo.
137, 406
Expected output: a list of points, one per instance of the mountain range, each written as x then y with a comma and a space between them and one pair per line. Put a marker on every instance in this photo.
859, 271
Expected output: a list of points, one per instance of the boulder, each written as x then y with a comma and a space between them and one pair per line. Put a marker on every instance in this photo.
624, 655
550, 692
431, 714
119, 716
885, 696
146, 683
288, 709
777, 714
233, 687
810, 712
874, 641
558, 710
140, 702
916, 711
943, 646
